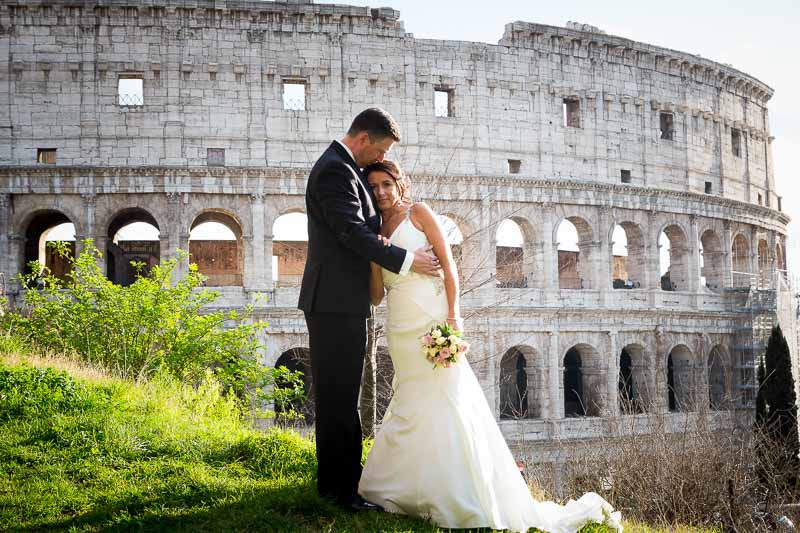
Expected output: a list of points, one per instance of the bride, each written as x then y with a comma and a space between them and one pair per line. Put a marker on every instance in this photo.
439, 453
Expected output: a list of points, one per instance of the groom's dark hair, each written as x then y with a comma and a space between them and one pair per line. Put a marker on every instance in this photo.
378, 124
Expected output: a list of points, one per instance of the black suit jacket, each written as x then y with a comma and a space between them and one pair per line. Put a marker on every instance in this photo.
342, 227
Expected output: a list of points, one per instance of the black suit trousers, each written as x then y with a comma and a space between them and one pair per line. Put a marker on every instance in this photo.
338, 343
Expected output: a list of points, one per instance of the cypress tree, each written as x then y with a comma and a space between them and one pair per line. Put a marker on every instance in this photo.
761, 402
781, 407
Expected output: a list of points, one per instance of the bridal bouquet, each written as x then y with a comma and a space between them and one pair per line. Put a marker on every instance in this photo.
442, 345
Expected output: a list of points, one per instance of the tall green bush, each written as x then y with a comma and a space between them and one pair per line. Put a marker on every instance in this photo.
157, 322
777, 410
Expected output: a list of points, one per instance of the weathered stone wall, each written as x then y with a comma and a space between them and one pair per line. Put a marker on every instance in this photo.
213, 75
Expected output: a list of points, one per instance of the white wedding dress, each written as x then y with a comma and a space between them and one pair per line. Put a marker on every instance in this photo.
439, 453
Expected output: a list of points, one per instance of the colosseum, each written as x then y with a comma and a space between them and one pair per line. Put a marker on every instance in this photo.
198, 121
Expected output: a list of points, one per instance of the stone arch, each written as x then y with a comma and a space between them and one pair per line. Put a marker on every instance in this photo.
222, 261
575, 268
584, 381
514, 260
36, 227
764, 264
628, 270
780, 257
454, 235
719, 371
635, 389
297, 360
681, 382
289, 248
675, 273
120, 254
520, 383
740, 261
711, 258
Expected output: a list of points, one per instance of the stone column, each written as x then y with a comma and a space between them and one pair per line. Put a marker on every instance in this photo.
16, 260
727, 278
533, 372
753, 262
556, 379
255, 270
549, 248
90, 230
5, 252
178, 235
660, 394
603, 256
693, 257
487, 256
612, 400
652, 269
491, 390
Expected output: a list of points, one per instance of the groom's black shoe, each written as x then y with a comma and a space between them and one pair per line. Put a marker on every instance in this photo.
358, 504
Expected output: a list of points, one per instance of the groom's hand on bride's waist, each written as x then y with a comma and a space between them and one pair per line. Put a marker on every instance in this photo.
426, 262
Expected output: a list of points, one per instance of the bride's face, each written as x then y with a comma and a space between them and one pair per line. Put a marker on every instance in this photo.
385, 189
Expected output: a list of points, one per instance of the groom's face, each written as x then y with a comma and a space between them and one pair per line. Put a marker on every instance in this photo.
372, 150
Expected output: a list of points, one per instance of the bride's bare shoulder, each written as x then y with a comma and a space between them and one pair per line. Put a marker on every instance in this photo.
420, 208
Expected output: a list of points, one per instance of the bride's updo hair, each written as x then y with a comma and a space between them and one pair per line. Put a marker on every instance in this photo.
396, 173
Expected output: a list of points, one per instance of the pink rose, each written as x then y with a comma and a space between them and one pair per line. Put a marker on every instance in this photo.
427, 339
445, 353
463, 347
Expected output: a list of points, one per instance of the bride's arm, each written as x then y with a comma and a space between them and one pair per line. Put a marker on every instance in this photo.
376, 290
423, 217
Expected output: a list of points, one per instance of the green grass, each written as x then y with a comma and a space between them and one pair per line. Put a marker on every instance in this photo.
81, 451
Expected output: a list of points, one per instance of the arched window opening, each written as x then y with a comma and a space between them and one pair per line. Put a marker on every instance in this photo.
764, 265
513, 385
573, 385
740, 264
718, 396
584, 382
674, 259
626, 389
215, 245
133, 238
49, 227
711, 261
680, 379
627, 252
289, 249
575, 239
296, 360
510, 256
454, 237
634, 381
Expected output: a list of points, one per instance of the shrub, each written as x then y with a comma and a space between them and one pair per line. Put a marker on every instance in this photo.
155, 323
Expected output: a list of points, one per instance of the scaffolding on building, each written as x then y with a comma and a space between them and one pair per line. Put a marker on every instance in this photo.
759, 307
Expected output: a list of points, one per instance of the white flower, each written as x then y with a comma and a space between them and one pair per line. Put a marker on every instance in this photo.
436, 334
440, 340
453, 339
432, 352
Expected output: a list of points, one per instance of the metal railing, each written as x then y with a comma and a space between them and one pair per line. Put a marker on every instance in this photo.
131, 100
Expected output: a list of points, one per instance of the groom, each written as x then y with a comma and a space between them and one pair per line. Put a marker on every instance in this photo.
343, 223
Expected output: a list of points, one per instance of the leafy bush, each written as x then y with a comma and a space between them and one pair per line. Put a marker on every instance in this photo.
155, 323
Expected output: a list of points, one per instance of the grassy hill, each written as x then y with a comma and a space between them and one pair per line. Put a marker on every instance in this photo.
83, 451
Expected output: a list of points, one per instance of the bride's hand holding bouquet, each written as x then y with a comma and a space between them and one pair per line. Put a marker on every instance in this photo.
443, 344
